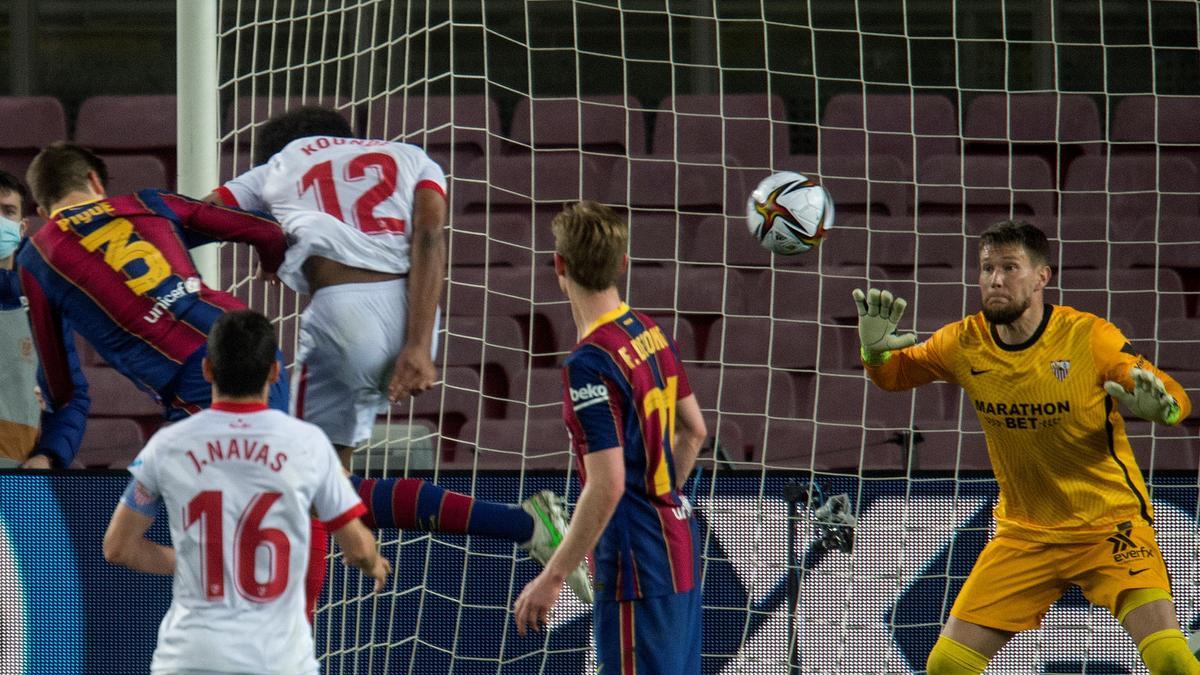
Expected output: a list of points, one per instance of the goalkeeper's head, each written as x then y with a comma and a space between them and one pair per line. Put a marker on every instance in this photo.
65, 171
240, 362
298, 123
1014, 268
590, 241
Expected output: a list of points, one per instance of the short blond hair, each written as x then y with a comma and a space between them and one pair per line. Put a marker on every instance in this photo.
592, 240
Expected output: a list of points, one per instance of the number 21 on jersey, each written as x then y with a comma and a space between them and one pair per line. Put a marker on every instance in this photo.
206, 509
379, 165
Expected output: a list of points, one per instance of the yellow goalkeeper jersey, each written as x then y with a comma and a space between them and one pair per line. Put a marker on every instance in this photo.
1055, 438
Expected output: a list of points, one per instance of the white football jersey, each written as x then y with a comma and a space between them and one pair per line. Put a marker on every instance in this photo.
363, 188
239, 483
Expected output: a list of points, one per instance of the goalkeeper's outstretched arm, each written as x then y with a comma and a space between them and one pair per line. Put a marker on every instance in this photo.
891, 360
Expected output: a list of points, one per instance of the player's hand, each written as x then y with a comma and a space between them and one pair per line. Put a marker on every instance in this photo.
413, 373
37, 462
379, 572
533, 605
1149, 399
269, 277
878, 315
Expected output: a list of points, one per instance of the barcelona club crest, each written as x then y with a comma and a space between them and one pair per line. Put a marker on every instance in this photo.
1060, 369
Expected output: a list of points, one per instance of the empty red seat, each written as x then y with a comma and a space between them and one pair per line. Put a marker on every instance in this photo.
903, 126
514, 444
1167, 120
1138, 299
692, 289
763, 342
1052, 120
612, 125
135, 124
696, 183
130, 173
747, 129
1126, 189
986, 188
31, 122
28, 124
862, 188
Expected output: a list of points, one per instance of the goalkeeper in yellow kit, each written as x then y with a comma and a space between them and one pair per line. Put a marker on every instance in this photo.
1073, 508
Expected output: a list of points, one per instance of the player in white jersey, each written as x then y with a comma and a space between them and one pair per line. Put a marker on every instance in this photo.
238, 482
364, 220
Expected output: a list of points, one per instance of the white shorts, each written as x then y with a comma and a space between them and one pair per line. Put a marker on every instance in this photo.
350, 336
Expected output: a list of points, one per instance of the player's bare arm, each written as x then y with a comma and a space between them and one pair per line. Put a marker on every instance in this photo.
125, 544
360, 551
690, 433
414, 371
597, 503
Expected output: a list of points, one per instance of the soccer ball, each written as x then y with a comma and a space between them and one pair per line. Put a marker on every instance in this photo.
789, 213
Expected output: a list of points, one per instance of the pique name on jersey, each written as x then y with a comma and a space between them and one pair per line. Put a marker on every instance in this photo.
1022, 415
245, 450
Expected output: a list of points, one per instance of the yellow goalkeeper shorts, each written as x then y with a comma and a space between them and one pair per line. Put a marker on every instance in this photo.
1014, 582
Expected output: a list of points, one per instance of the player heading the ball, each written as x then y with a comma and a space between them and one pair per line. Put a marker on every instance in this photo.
1073, 508
238, 481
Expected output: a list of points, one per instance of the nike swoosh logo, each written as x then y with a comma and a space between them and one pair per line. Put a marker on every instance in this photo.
980, 372
1134, 573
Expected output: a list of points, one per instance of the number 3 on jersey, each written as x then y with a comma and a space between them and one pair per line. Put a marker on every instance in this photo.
205, 507
382, 166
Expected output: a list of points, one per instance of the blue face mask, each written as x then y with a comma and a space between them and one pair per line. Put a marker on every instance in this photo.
10, 236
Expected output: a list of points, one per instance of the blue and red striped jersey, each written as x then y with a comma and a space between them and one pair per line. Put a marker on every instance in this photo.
118, 270
620, 388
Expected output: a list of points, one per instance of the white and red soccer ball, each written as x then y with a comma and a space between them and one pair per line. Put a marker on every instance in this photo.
789, 213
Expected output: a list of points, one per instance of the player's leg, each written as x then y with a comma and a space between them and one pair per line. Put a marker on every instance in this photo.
1125, 573
1009, 590
655, 636
538, 524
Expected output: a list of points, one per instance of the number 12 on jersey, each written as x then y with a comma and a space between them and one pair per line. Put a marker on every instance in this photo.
321, 177
206, 509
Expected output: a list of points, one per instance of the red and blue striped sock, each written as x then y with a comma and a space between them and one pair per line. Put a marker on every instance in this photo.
415, 504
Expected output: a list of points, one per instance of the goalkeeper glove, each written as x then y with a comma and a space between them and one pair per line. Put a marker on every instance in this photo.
878, 314
1149, 399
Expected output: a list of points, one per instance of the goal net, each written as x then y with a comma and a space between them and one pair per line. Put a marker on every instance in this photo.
926, 121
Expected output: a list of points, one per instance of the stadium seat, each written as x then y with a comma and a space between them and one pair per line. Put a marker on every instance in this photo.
762, 342
110, 443
1053, 126
657, 236
536, 394
465, 343
136, 125
717, 239
936, 295
986, 188
697, 184
1126, 189
1177, 342
28, 124
514, 444
610, 125
858, 246
692, 289
519, 184
748, 129
1158, 120
453, 130
460, 390
1138, 298
885, 193
902, 126
130, 173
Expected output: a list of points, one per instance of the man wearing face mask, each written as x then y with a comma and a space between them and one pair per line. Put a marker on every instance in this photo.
20, 408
